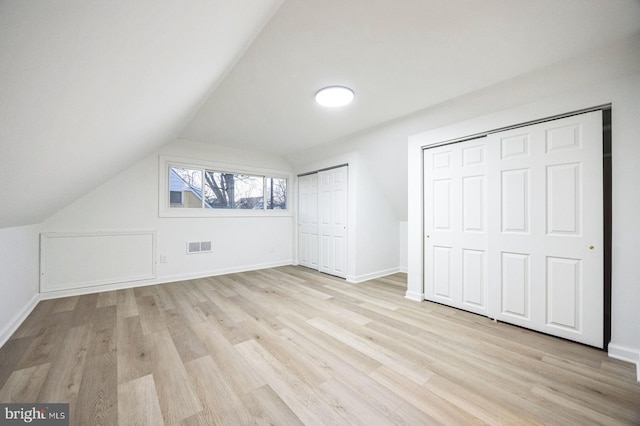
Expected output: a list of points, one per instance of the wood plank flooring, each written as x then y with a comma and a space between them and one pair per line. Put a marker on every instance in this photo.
289, 346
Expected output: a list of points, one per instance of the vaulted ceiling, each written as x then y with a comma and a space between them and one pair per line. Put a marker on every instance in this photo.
399, 56
88, 87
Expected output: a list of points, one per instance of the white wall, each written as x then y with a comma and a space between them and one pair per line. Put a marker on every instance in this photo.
377, 191
377, 249
19, 277
404, 245
610, 76
383, 148
373, 231
129, 201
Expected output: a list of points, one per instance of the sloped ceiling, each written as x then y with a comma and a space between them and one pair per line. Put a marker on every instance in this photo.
88, 87
400, 56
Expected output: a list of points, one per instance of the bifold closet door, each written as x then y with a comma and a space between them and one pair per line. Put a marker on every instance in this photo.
514, 227
322, 221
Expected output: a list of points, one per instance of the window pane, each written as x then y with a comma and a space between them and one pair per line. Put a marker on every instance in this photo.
218, 189
276, 193
249, 192
185, 188
233, 191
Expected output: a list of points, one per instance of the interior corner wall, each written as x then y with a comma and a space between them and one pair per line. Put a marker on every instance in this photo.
403, 241
129, 201
377, 248
19, 277
623, 94
373, 223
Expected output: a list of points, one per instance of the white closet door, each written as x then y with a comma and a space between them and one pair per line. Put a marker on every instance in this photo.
308, 241
514, 227
333, 191
456, 225
546, 227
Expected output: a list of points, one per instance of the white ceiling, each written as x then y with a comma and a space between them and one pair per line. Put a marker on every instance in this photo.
399, 56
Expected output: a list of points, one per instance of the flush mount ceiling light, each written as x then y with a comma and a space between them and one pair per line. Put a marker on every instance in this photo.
334, 96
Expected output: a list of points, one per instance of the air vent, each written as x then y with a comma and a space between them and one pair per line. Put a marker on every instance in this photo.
194, 247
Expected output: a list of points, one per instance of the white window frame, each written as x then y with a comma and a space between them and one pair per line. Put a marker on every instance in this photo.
164, 209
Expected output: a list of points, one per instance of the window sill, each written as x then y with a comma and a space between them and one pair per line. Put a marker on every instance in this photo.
221, 213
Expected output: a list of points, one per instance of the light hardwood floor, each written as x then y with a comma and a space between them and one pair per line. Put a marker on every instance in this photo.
289, 346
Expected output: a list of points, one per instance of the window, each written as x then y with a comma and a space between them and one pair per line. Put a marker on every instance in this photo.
196, 188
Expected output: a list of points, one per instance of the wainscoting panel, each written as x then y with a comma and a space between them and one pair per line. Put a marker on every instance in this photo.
86, 259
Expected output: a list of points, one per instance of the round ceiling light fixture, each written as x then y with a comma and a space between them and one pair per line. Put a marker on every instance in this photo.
334, 96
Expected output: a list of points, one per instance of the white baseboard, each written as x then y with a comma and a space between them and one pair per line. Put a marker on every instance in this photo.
235, 270
161, 280
418, 297
17, 319
372, 276
627, 354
